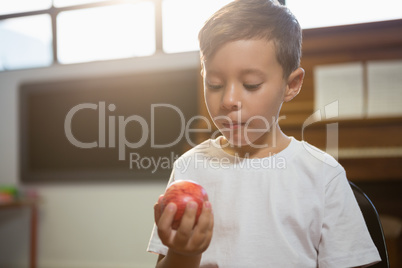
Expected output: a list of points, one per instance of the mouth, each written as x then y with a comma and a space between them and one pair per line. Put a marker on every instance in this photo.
233, 125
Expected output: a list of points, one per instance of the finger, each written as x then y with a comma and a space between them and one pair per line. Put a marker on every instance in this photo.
187, 223
188, 219
203, 230
157, 209
205, 221
165, 222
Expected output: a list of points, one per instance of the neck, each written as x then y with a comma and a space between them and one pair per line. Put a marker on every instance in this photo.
268, 144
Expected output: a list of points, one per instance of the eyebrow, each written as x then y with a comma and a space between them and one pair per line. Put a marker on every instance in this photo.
252, 71
212, 72
242, 72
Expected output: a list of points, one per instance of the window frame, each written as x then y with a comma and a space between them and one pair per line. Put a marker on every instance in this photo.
54, 11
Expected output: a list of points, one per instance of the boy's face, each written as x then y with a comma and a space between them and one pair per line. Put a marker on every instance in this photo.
244, 89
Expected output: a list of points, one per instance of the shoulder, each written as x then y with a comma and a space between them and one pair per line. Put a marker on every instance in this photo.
205, 147
315, 154
316, 161
202, 151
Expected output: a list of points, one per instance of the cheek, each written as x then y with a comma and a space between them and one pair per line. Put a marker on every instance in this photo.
264, 111
272, 99
212, 103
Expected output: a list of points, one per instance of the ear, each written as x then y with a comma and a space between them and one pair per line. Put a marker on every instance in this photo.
294, 84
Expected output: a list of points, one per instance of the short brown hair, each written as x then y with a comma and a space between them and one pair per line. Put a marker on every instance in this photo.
254, 19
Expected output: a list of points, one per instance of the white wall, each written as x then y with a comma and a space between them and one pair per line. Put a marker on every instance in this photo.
102, 225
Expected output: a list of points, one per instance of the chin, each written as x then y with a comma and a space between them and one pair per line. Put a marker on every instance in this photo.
252, 141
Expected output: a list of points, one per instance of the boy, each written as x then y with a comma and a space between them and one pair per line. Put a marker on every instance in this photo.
277, 202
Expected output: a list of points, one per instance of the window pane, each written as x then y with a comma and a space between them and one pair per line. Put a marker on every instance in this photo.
180, 29
109, 32
25, 42
318, 13
16, 6
63, 3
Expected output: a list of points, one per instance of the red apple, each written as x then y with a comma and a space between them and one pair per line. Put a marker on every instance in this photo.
180, 193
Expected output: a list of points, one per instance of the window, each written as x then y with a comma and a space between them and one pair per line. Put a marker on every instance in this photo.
64, 3
318, 13
42, 32
182, 20
18, 6
25, 42
109, 32
37, 33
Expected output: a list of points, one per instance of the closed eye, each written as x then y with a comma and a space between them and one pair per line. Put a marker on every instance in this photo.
252, 86
214, 87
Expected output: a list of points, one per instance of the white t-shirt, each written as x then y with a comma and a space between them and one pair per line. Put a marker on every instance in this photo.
292, 209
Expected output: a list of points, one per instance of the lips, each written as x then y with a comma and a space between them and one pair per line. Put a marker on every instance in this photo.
233, 125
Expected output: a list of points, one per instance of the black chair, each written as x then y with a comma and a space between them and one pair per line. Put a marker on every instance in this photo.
373, 224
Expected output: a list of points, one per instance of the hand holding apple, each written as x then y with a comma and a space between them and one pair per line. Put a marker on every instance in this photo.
180, 193
188, 239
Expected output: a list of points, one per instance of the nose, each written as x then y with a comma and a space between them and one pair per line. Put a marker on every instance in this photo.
231, 99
